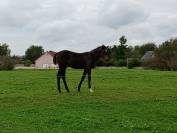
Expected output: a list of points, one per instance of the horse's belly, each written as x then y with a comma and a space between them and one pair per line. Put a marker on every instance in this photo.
77, 66
77, 62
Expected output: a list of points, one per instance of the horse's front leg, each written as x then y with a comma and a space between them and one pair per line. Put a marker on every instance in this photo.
64, 79
82, 79
89, 80
58, 80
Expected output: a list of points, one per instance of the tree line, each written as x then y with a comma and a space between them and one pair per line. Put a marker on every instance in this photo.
7, 62
120, 54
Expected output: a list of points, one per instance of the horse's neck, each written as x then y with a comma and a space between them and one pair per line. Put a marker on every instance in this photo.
94, 55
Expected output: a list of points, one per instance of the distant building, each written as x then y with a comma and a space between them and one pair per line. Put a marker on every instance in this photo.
148, 55
45, 60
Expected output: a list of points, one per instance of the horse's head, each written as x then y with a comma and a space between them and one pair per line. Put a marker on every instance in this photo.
103, 52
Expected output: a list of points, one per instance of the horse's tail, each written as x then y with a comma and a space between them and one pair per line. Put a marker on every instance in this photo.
55, 59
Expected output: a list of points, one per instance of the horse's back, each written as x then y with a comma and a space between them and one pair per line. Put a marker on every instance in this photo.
72, 59
66, 54
62, 55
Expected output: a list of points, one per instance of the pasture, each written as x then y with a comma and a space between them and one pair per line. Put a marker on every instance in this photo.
125, 101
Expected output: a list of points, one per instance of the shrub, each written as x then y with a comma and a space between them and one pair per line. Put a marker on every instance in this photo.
27, 63
165, 57
100, 63
6, 63
133, 62
121, 62
151, 64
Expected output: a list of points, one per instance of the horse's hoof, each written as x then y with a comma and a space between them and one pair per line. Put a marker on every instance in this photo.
91, 90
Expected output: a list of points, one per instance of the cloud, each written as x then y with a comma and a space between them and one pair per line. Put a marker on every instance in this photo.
81, 25
115, 14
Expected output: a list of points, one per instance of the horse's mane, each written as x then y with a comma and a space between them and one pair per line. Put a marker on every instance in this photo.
96, 49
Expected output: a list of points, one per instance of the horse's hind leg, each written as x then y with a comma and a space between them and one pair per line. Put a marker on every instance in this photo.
89, 80
64, 79
58, 80
82, 79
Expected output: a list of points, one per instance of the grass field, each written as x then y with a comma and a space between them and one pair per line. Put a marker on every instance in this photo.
124, 101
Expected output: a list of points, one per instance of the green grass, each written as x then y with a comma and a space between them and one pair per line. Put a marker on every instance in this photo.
124, 101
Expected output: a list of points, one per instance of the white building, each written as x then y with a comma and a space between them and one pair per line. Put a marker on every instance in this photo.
147, 56
45, 60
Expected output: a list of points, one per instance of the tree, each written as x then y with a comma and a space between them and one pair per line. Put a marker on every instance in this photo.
4, 50
33, 52
122, 48
139, 51
165, 56
122, 40
18, 59
136, 52
147, 47
119, 53
6, 63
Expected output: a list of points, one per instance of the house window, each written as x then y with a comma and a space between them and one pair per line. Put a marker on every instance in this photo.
45, 65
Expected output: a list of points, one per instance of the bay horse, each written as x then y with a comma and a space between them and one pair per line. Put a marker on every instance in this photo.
84, 61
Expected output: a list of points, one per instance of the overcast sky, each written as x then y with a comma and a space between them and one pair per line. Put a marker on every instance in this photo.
80, 25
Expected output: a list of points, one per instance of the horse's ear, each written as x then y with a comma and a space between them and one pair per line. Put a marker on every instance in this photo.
103, 47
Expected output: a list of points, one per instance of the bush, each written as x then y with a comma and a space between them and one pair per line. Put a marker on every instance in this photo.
157, 63
6, 63
133, 62
100, 63
121, 62
151, 64
111, 62
27, 63
165, 57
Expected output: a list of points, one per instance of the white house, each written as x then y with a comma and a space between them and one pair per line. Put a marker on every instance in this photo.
45, 60
147, 56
